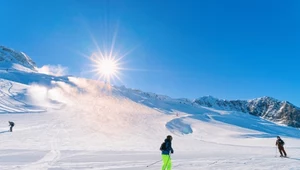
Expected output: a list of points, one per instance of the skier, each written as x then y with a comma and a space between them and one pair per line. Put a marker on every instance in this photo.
166, 148
280, 143
11, 124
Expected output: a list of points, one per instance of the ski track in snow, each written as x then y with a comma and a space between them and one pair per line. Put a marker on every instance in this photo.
49, 159
8, 102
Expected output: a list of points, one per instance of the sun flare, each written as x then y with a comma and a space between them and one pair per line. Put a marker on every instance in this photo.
106, 68
106, 61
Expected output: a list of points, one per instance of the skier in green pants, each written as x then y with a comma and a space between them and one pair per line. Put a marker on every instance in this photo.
166, 148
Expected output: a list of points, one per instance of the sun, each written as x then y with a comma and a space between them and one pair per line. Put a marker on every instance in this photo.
106, 67
107, 61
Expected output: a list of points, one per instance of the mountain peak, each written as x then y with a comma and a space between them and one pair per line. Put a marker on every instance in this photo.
10, 58
208, 98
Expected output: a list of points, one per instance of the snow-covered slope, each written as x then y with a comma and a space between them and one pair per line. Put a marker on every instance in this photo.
76, 123
10, 58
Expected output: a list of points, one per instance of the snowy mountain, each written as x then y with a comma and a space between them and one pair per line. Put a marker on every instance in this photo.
10, 58
265, 107
66, 123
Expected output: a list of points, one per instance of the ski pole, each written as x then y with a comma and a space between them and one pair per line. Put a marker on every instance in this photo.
153, 163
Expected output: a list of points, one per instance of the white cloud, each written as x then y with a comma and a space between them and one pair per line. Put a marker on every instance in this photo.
57, 70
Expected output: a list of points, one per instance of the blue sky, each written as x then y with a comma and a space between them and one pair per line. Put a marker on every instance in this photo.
227, 49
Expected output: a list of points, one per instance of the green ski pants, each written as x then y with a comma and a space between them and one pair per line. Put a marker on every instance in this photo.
167, 163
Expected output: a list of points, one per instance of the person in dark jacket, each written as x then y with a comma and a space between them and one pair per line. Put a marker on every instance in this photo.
166, 149
280, 143
11, 124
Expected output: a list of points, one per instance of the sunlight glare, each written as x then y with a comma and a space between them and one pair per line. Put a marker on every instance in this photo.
107, 67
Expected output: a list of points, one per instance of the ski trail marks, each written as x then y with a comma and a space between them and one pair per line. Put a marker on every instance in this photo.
50, 158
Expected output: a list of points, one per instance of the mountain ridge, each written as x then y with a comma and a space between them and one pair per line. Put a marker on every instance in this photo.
266, 107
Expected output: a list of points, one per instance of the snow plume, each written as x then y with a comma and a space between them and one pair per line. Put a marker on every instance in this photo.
59, 93
38, 95
92, 87
57, 70
97, 106
90, 104
64, 93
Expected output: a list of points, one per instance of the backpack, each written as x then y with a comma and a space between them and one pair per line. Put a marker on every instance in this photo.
280, 142
163, 146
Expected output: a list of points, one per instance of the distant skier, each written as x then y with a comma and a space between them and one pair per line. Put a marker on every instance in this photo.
280, 143
166, 149
11, 124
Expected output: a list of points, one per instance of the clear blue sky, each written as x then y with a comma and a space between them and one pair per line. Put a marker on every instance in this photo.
227, 49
